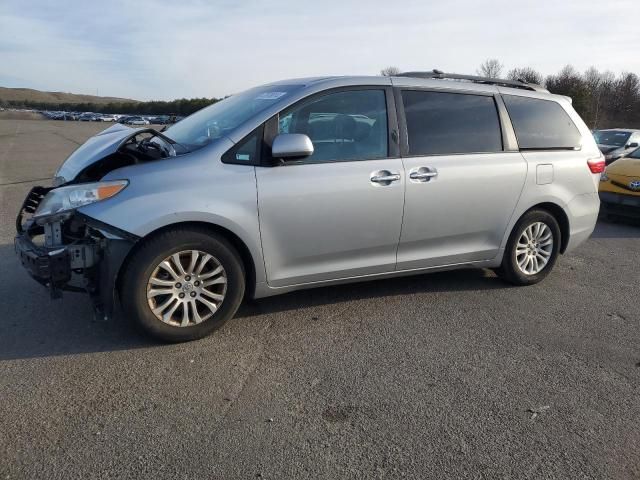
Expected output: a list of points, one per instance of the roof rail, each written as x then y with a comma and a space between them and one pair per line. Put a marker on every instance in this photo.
440, 75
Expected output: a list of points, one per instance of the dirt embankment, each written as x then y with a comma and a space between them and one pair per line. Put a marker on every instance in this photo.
16, 115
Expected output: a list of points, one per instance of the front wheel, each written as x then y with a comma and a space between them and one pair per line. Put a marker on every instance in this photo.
183, 284
532, 249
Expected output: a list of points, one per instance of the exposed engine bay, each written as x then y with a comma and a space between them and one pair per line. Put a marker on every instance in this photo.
143, 145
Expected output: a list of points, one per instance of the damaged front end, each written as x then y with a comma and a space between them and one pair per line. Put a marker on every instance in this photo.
70, 251
66, 250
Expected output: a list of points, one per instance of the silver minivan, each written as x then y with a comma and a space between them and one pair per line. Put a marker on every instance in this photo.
310, 182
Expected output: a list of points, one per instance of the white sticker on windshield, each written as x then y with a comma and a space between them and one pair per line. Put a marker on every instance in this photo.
270, 95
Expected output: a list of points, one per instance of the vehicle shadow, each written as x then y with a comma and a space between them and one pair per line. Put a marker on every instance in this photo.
32, 325
451, 281
616, 227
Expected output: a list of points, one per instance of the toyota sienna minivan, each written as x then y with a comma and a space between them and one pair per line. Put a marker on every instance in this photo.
309, 182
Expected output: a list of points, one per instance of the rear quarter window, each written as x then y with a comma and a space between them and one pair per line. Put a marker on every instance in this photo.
541, 124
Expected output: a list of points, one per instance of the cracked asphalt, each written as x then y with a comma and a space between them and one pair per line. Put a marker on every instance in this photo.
448, 375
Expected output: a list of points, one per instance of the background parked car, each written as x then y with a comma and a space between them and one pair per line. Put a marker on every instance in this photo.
616, 142
87, 117
620, 186
136, 121
162, 120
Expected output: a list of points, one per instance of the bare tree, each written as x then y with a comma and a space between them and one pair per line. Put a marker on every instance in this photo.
598, 86
627, 97
491, 68
571, 83
602, 99
526, 74
390, 71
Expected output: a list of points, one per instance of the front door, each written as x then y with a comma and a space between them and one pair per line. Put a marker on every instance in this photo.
338, 213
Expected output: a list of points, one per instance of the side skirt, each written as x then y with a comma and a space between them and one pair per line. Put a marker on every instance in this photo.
264, 290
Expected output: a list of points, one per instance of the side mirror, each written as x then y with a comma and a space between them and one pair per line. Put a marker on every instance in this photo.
291, 146
633, 145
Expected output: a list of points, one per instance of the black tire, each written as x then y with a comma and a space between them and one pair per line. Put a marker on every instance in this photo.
153, 251
509, 270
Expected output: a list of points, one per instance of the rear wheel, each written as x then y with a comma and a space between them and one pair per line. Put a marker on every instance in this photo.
183, 284
532, 249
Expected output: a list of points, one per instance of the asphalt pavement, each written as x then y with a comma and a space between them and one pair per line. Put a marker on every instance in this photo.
447, 375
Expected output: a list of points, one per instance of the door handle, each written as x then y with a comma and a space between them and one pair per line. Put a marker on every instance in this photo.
384, 177
423, 174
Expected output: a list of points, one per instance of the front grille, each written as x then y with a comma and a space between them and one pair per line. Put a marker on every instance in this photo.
30, 204
624, 185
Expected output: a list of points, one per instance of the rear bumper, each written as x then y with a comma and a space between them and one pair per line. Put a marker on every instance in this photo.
583, 215
618, 204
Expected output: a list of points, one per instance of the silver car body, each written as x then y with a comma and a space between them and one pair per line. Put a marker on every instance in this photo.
303, 225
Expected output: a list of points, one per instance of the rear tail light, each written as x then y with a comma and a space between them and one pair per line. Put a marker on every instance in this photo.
596, 165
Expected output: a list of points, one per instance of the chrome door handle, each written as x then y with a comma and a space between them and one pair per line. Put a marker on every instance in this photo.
423, 174
384, 177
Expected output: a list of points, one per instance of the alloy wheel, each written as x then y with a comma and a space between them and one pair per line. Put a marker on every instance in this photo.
186, 288
534, 248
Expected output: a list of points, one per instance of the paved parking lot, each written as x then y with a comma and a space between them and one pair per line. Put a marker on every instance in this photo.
449, 375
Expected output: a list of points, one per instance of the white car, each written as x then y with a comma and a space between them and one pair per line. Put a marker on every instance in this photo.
137, 121
107, 118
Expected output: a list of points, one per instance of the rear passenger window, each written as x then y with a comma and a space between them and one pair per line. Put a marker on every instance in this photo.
541, 124
442, 123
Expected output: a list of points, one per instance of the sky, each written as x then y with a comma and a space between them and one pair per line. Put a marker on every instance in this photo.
157, 49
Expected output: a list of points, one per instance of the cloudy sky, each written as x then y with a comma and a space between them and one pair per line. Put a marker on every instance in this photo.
157, 49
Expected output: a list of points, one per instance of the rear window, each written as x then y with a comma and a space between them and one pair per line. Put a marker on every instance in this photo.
541, 124
441, 123
611, 137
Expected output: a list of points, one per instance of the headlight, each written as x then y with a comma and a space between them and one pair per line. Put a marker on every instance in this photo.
75, 196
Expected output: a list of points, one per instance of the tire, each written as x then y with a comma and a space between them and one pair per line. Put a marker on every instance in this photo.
511, 268
146, 284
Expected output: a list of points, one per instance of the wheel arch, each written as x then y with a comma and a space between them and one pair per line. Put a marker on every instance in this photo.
561, 217
248, 261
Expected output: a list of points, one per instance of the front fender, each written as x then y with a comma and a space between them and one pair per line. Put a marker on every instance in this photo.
194, 189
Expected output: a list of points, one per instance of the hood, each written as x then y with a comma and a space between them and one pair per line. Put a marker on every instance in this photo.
96, 148
625, 167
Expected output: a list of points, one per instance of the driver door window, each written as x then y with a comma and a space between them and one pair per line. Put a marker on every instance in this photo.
348, 125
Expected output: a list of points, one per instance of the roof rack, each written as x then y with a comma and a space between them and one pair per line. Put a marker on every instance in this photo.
440, 75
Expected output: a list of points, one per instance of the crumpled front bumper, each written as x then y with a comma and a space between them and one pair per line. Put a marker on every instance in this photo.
50, 267
89, 261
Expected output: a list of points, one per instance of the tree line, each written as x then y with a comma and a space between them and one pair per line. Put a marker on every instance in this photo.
602, 98
182, 106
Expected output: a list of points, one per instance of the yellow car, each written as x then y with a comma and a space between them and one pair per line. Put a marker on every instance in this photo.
620, 186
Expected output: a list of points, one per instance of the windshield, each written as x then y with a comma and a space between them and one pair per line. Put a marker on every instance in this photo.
217, 120
634, 154
611, 137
